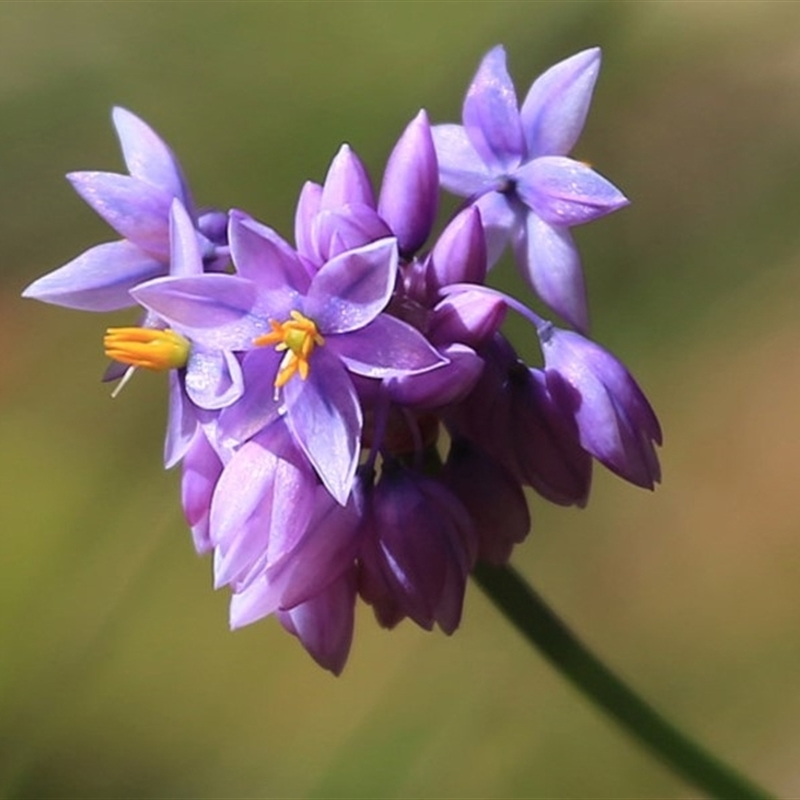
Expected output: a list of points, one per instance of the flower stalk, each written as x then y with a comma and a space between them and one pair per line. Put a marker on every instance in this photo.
528, 612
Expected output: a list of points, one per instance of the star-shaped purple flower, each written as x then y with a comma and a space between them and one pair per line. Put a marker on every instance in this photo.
303, 334
512, 162
137, 206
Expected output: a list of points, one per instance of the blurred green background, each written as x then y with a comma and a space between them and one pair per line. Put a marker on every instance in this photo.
118, 675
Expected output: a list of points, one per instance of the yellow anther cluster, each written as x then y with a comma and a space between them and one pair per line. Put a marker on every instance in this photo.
298, 336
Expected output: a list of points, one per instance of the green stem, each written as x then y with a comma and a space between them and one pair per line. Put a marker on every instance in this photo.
532, 617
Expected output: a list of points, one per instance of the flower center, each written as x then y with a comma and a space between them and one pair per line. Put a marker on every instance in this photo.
152, 348
297, 336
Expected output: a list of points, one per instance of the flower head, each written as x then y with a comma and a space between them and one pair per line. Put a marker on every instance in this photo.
137, 206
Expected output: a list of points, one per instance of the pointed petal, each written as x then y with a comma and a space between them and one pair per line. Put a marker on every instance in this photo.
186, 258
325, 417
461, 170
491, 116
181, 422
255, 601
201, 470
566, 192
99, 279
258, 405
386, 347
353, 288
216, 310
557, 103
307, 210
137, 210
410, 191
148, 157
501, 215
262, 256
549, 259
324, 624
347, 181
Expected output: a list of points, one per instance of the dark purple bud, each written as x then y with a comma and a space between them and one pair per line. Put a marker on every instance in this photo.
426, 548
469, 316
410, 191
493, 498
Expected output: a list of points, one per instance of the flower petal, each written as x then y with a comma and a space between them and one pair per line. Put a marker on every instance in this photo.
307, 210
353, 288
181, 422
549, 259
347, 181
148, 157
324, 624
325, 417
137, 210
491, 116
347, 228
386, 347
260, 255
500, 214
201, 470
557, 103
258, 405
186, 258
566, 192
216, 310
99, 279
461, 169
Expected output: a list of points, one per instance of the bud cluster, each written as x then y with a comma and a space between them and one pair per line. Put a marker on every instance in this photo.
348, 416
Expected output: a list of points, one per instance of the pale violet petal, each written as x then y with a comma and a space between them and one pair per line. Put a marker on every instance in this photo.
461, 169
99, 279
549, 259
557, 103
491, 116
566, 192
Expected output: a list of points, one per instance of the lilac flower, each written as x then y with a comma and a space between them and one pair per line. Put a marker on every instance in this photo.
137, 206
615, 422
512, 162
323, 327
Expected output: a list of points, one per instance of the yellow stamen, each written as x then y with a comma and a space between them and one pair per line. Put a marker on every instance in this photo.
297, 336
151, 348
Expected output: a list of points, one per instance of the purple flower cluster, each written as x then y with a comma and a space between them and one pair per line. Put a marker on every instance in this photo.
313, 385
